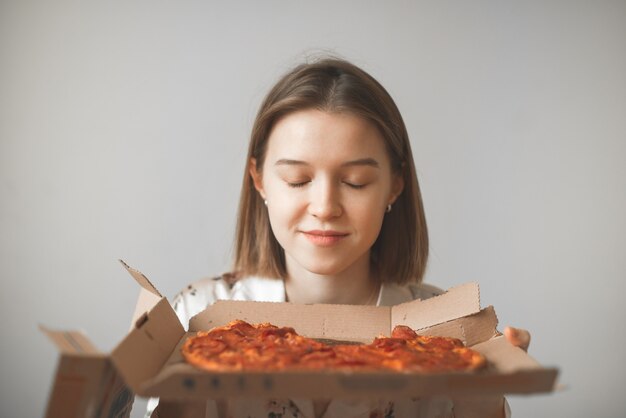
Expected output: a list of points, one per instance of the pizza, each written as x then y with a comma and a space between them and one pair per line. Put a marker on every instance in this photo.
240, 346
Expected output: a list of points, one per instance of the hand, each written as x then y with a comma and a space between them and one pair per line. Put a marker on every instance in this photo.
518, 337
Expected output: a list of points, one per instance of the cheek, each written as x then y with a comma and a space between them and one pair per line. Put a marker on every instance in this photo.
369, 215
284, 211
371, 223
370, 205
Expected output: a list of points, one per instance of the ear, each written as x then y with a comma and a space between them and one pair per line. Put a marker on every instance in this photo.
256, 176
397, 185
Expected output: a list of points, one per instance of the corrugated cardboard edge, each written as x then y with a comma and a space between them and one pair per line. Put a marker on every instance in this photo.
457, 302
143, 281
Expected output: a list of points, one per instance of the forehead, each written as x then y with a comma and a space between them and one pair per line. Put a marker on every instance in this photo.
315, 136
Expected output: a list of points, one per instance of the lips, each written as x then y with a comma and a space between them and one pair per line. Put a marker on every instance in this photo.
324, 238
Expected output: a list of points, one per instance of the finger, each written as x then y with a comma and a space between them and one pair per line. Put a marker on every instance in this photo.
518, 337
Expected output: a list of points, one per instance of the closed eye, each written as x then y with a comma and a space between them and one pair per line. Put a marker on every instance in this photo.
354, 186
297, 184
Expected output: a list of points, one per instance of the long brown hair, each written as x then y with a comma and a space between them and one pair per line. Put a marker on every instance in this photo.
400, 252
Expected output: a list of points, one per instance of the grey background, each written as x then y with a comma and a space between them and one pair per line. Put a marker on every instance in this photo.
124, 125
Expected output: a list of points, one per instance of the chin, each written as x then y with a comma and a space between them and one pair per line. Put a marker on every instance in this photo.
326, 270
323, 263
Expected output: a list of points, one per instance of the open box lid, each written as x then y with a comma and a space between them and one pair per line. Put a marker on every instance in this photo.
344, 322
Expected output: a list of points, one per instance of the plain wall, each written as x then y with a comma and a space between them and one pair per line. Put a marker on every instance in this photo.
124, 126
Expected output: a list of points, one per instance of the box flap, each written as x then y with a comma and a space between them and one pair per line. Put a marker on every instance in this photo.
146, 301
458, 301
85, 383
145, 349
69, 342
142, 280
471, 329
343, 322
148, 295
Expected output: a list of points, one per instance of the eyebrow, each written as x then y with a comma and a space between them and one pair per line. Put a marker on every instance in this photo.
369, 162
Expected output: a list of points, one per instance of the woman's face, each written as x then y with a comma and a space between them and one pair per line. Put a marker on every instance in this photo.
327, 180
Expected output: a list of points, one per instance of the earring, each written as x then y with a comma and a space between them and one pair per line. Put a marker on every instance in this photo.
388, 208
265, 201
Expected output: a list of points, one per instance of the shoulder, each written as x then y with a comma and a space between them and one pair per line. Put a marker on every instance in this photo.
194, 298
393, 294
424, 290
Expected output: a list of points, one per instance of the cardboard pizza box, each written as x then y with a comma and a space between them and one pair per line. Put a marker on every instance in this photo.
149, 361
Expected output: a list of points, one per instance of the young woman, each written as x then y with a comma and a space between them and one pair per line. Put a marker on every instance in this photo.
330, 212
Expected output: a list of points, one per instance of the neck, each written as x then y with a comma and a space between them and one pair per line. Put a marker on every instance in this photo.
352, 286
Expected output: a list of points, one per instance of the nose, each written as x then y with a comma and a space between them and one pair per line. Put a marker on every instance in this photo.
324, 200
